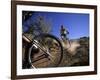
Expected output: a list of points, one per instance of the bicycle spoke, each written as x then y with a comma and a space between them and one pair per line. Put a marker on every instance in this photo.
49, 54
51, 59
46, 52
39, 58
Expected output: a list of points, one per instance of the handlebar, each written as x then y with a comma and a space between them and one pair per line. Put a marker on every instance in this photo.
26, 39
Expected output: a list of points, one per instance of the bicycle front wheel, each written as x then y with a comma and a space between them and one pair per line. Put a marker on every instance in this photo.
49, 54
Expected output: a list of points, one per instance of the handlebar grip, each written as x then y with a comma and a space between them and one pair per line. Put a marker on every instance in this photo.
26, 39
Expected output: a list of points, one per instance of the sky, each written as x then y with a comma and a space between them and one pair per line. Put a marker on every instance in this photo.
76, 23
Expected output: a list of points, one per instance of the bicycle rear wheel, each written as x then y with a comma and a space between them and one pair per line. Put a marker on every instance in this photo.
49, 54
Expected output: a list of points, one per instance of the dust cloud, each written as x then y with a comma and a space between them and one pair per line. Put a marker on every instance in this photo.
71, 47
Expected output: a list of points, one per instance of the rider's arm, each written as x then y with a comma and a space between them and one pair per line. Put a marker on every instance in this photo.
67, 32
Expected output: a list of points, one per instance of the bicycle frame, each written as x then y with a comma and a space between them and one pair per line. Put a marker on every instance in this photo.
28, 41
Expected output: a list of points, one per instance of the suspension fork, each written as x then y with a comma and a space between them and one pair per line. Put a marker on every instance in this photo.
27, 42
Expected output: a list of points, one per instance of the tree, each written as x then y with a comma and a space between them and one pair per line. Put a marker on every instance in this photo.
44, 25
40, 25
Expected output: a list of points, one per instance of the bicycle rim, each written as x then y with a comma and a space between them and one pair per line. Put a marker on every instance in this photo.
51, 59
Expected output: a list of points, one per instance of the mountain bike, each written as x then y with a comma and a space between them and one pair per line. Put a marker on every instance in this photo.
44, 50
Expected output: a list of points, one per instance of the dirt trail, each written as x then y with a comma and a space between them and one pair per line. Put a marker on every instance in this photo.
72, 47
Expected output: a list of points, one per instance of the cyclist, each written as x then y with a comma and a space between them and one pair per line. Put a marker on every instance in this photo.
63, 33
